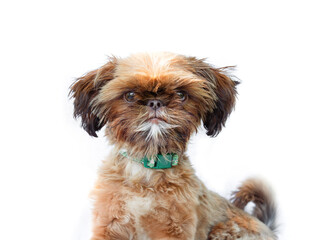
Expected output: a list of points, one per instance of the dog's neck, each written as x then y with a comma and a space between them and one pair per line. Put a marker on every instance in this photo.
148, 149
159, 161
118, 168
131, 173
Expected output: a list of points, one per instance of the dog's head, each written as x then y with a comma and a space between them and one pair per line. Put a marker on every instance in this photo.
154, 102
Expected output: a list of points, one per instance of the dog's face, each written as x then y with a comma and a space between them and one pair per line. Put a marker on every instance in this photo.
153, 102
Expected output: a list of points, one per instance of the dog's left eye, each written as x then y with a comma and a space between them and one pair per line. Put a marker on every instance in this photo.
130, 96
182, 95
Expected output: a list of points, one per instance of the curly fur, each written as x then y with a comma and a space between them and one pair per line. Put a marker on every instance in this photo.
133, 202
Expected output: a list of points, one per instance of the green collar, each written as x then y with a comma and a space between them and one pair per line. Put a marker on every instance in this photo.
159, 162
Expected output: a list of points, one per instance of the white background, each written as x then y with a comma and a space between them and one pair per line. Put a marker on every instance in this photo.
280, 130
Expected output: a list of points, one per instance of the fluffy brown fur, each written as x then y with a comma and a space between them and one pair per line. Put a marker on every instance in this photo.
151, 104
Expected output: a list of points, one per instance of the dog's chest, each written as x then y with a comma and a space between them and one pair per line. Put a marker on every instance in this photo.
137, 207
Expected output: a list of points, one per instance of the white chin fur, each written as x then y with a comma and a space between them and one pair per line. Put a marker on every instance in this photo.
155, 131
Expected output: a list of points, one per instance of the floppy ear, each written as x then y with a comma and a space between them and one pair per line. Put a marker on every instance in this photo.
84, 90
225, 91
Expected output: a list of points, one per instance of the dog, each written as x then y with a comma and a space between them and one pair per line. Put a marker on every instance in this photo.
147, 189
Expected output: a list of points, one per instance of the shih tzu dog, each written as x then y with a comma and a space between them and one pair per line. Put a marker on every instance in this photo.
147, 188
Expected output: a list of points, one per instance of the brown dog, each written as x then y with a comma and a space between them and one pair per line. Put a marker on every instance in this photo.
147, 188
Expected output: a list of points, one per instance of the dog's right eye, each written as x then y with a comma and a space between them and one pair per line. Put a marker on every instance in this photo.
130, 96
182, 95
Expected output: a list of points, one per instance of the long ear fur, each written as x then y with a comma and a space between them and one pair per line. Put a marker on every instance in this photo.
225, 90
84, 90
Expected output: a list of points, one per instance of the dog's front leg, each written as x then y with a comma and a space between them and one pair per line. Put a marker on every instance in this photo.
111, 220
116, 229
173, 223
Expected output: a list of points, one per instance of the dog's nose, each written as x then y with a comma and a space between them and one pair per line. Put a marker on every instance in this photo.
154, 104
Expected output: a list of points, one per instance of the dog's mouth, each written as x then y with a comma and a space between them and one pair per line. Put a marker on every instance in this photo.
156, 120
155, 127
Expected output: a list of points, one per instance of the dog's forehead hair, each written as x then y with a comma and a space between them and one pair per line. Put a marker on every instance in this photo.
151, 73
152, 65
147, 84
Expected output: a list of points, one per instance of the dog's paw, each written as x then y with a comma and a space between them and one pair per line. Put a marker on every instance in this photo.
222, 236
223, 231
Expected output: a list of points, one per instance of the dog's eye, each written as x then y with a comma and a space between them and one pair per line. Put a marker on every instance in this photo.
182, 95
130, 96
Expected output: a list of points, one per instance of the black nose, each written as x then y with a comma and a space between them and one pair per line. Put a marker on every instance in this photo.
154, 104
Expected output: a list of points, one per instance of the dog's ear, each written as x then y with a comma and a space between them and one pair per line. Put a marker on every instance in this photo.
226, 94
84, 90
224, 89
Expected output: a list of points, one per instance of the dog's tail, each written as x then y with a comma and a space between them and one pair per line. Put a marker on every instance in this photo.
255, 191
